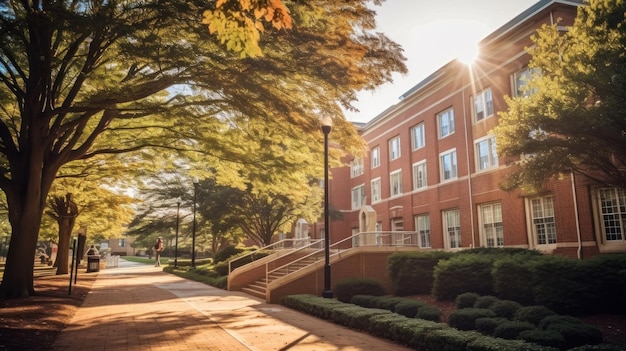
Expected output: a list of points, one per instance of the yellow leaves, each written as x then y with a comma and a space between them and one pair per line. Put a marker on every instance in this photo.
240, 25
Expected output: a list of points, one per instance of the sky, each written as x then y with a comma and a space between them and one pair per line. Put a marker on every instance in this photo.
432, 33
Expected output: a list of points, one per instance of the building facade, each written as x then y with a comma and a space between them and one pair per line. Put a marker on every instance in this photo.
432, 165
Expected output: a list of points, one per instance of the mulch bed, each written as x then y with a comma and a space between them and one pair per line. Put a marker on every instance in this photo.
33, 323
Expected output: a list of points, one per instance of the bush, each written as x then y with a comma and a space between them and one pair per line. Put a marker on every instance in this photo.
466, 300
505, 308
411, 273
533, 314
494, 344
488, 324
511, 279
485, 301
465, 319
448, 340
368, 301
429, 313
463, 273
577, 334
542, 337
228, 252
347, 288
409, 308
545, 323
511, 329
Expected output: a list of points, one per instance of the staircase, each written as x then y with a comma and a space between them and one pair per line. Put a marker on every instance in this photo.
258, 288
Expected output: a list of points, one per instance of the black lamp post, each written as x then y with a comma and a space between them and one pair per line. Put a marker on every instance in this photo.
176, 245
193, 232
327, 123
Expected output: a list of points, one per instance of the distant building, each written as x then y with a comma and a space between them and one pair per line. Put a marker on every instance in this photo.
432, 165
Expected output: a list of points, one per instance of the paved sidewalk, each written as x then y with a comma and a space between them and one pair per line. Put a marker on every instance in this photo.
138, 307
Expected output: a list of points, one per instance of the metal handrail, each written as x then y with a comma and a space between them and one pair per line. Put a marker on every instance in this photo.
271, 247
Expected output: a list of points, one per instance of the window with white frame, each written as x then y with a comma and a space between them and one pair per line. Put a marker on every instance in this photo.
419, 175
356, 167
521, 82
395, 182
448, 165
376, 157
394, 148
544, 228
452, 228
121, 242
483, 105
491, 224
486, 155
422, 226
418, 139
358, 196
445, 121
376, 196
613, 211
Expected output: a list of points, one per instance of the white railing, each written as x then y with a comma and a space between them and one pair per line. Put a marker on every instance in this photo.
285, 244
364, 239
113, 261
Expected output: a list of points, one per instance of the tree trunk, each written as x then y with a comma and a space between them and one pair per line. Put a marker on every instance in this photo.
66, 217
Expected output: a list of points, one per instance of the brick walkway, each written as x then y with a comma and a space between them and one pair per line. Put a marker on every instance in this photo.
138, 307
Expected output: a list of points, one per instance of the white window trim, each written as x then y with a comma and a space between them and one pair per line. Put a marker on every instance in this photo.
391, 174
492, 156
380, 195
482, 96
391, 142
418, 230
375, 160
441, 168
532, 233
452, 126
356, 167
481, 224
353, 204
446, 236
416, 164
422, 129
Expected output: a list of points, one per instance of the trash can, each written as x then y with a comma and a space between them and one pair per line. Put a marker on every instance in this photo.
93, 263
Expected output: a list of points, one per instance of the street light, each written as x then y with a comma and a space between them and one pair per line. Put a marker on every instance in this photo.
193, 233
176, 245
327, 124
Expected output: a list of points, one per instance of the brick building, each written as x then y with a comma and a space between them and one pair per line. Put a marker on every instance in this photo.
432, 165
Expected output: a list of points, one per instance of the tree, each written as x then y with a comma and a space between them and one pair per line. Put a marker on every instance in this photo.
574, 117
88, 78
64, 211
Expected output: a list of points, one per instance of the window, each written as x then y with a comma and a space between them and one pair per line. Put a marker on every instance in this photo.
491, 224
121, 243
422, 225
521, 80
419, 175
395, 181
358, 197
483, 105
486, 155
356, 167
542, 210
613, 209
394, 148
448, 165
445, 120
376, 190
376, 157
452, 228
417, 137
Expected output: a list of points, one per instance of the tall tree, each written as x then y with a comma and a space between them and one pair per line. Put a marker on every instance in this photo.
574, 117
87, 78
64, 211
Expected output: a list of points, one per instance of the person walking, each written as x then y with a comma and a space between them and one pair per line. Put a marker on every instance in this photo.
158, 248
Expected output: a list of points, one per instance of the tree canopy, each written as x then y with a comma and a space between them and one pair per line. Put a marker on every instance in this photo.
84, 79
574, 117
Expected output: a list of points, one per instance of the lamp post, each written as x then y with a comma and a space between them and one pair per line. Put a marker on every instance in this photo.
176, 244
327, 123
193, 232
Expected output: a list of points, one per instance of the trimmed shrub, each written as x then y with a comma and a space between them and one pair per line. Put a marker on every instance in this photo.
429, 313
494, 344
448, 339
545, 323
533, 314
511, 278
505, 308
411, 273
577, 334
465, 319
346, 289
380, 324
389, 302
466, 300
356, 317
600, 347
409, 308
412, 332
228, 252
485, 301
511, 329
463, 273
542, 337
488, 325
